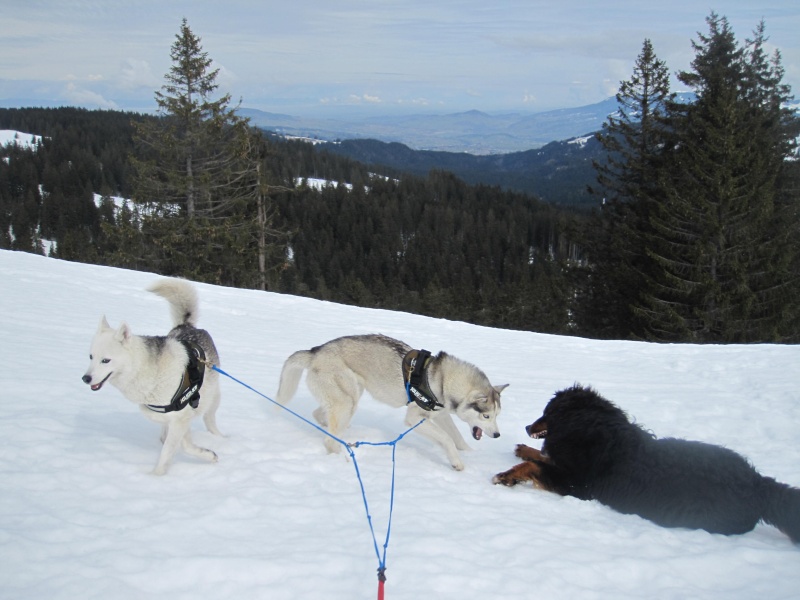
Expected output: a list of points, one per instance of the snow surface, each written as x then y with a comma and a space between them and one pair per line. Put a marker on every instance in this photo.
316, 183
118, 201
23, 140
81, 516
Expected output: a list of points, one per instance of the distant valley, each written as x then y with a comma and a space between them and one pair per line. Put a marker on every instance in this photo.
473, 132
558, 172
548, 155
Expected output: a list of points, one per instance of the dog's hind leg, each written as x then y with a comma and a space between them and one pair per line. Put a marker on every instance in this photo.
320, 416
211, 389
338, 393
210, 420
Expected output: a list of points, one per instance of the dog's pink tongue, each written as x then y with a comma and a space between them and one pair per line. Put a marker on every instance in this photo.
97, 386
477, 432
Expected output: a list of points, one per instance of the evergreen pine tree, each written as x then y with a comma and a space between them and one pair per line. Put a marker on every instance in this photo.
633, 138
719, 248
201, 180
186, 153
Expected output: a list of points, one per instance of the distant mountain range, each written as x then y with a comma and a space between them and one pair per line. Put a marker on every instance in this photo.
473, 132
548, 154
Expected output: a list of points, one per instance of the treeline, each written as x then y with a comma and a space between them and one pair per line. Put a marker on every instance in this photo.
559, 172
48, 193
698, 236
432, 245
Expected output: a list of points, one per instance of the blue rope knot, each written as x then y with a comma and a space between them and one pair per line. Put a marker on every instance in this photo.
350, 447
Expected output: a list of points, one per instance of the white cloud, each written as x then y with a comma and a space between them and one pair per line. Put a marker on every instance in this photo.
136, 73
365, 98
226, 78
415, 102
83, 97
284, 56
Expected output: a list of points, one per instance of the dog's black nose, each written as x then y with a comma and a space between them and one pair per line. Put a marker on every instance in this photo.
496, 435
87, 379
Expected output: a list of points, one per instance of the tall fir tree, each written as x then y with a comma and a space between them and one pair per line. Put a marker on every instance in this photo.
199, 180
722, 253
633, 139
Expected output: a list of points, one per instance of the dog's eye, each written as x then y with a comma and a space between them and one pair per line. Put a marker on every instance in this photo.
486, 416
105, 361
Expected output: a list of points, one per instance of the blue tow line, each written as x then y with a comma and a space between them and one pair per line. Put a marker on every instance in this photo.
349, 447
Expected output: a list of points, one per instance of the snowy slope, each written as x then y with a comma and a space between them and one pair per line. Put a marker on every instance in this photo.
82, 517
18, 138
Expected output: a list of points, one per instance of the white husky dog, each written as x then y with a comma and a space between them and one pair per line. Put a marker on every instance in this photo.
340, 370
167, 376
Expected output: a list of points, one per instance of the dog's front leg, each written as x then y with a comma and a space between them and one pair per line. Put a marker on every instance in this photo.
445, 421
193, 449
172, 434
432, 431
526, 471
530, 454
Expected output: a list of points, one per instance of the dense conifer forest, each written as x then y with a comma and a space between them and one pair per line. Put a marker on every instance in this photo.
432, 245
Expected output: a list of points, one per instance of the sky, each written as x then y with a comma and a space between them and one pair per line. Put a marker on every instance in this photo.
277, 518
315, 58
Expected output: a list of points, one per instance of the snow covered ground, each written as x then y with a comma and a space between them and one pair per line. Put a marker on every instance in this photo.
81, 516
23, 140
319, 184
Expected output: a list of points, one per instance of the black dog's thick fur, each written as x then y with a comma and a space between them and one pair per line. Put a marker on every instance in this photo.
593, 452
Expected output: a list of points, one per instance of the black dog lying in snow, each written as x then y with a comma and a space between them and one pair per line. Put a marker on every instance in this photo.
593, 452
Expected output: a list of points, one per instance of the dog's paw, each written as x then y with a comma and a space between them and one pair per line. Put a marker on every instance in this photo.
458, 465
504, 479
527, 453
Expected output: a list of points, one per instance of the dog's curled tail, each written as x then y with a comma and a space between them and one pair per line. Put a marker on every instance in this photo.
182, 298
782, 508
290, 375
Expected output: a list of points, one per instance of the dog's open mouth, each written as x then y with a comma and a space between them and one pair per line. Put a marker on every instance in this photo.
477, 432
97, 386
537, 430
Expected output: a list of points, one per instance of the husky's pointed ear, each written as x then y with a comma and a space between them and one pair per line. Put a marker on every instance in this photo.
499, 388
123, 333
103, 324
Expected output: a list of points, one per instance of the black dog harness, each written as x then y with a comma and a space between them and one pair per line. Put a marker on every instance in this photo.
416, 380
188, 392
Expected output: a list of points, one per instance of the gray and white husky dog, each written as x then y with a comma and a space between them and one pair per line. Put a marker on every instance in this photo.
340, 370
153, 371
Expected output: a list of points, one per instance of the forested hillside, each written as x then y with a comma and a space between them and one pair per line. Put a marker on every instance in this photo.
431, 244
558, 173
